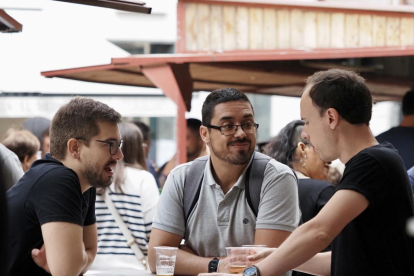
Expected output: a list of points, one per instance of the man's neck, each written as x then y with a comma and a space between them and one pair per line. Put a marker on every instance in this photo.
407, 121
84, 185
353, 139
225, 174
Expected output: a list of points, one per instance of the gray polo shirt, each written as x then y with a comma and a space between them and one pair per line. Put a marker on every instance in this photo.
220, 220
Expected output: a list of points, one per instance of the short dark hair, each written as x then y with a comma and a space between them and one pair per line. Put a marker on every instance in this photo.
145, 130
78, 119
282, 147
194, 124
343, 90
219, 96
22, 142
407, 104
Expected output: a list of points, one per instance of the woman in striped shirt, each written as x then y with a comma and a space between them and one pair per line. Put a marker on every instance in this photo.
135, 195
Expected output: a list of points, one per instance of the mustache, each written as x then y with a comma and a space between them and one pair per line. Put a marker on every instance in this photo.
244, 140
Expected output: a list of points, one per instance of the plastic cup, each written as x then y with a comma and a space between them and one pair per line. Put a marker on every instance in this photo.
236, 258
165, 260
254, 249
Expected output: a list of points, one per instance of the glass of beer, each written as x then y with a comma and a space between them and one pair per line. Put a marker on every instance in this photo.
254, 249
165, 260
236, 258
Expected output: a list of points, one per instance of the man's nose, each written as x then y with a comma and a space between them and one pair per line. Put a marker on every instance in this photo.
239, 132
304, 135
119, 155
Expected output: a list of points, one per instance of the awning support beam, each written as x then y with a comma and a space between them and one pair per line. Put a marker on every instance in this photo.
176, 83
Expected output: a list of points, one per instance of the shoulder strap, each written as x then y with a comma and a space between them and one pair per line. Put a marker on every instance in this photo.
253, 184
192, 185
124, 229
254, 180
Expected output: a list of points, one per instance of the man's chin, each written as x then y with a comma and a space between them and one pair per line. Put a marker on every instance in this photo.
102, 184
241, 158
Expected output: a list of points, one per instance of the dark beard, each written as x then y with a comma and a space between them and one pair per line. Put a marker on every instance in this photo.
92, 175
242, 157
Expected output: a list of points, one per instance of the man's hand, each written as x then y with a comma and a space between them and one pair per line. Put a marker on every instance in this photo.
39, 257
260, 254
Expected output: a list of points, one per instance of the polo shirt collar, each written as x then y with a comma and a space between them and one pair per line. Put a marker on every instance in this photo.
209, 179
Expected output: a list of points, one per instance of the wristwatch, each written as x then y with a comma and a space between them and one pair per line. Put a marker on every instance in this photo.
251, 271
213, 265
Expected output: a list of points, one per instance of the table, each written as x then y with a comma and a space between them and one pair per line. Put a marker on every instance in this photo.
119, 272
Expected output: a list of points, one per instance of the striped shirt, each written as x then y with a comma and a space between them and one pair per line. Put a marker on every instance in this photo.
137, 207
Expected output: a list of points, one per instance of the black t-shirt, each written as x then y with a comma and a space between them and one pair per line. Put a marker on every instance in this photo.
48, 192
3, 227
375, 242
313, 195
402, 138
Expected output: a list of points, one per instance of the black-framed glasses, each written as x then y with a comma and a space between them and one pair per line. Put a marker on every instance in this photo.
228, 130
113, 145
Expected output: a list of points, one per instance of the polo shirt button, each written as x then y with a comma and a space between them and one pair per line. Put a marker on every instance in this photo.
224, 203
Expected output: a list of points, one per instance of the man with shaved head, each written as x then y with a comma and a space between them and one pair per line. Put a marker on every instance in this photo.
366, 218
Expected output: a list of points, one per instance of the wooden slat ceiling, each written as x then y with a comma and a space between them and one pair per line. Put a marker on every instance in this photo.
385, 76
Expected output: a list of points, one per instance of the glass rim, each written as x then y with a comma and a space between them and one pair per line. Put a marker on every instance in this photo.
166, 247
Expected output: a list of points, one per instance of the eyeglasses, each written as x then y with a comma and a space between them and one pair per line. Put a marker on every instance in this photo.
228, 130
113, 145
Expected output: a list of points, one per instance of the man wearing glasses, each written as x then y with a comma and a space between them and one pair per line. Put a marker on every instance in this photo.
221, 216
51, 210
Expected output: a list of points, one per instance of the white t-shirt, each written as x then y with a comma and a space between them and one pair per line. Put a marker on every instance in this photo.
137, 207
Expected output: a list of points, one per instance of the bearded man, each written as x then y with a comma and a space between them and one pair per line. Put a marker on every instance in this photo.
221, 215
51, 209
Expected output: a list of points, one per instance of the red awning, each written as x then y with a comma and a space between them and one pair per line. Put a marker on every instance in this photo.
124, 5
276, 72
8, 24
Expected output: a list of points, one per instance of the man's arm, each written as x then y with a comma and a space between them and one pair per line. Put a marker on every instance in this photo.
320, 264
90, 240
271, 238
169, 227
186, 262
313, 236
65, 250
279, 211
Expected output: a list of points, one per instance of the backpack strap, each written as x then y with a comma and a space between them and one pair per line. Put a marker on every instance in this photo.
253, 183
254, 180
192, 185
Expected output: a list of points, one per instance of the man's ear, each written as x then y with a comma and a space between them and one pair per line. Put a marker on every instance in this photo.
73, 147
205, 135
332, 116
